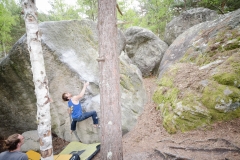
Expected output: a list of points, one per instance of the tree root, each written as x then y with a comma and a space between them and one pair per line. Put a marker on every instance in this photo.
206, 150
208, 140
218, 145
167, 156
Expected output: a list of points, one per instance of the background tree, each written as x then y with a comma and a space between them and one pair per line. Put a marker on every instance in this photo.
222, 6
131, 16
62, 11
111, 132
88, 8
39, 79
18, 30
157, 14
232, 5
6, 23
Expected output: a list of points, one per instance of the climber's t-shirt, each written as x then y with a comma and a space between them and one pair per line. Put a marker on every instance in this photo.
75, 108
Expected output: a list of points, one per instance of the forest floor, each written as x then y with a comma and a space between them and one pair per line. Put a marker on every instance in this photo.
150, 141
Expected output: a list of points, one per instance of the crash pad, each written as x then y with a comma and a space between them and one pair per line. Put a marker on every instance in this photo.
62, 157
85, 151
32, 155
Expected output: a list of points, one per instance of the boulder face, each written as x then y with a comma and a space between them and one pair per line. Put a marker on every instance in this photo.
199, 78
70, 51
17, 104
145, 49
186, 20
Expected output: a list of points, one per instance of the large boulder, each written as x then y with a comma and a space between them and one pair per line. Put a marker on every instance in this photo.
31, 141
199, 79
145, 49
186, 20
70, 51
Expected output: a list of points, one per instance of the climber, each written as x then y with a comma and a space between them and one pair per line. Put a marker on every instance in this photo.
75, 108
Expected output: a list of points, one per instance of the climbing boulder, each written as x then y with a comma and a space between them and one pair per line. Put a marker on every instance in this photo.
145, 49
70, 51
199, 75
186, 20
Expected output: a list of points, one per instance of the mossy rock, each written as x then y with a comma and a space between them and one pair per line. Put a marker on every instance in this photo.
222, 101
229, 72
179, 114
191, 117
189, 108
169, 124
209, 85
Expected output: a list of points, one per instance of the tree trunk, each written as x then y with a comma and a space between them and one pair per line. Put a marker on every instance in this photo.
111, 132
39, 78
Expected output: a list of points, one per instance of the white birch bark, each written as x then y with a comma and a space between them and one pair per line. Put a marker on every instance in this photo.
39, 78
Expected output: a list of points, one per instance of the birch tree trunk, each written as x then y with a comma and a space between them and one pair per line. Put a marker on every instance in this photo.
111, 132
39, 78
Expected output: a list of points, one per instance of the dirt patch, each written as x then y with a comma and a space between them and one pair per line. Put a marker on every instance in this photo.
58, 144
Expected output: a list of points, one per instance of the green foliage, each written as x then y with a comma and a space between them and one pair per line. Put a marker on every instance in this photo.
131, 16
232, 5
18, 30
88, 9
6, 23
222, 6
61, 11
184, 5
157, 15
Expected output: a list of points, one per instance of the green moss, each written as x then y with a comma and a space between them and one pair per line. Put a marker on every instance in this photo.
189, 120
216, 46
227, 78
168, 124
229, 72
234, 63
232, 46
200, 59
190, 99
165, 81
214, 95
188, 56
125, 82
204, 59
166, 92
165, 95
221, 116
190, 113
167, 78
